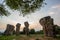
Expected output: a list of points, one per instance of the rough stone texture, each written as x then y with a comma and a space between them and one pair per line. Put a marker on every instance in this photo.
18, 28
26, 28
9, 30
47, 23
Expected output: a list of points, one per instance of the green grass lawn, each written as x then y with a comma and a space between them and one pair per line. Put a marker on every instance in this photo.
24, 37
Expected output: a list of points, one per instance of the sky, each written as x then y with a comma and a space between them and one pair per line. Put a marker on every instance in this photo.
51, 9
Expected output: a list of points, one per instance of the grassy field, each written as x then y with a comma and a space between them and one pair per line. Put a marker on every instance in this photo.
30, 37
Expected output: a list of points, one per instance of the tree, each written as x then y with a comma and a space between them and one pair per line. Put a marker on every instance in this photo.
32, 31
57, 29
3, 11
24, 6
40, 32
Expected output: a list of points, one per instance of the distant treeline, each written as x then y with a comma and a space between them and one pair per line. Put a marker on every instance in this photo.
32, 31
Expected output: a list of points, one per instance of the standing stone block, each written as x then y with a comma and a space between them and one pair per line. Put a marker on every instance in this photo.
47, 23
18, 28
9, 30
26, 28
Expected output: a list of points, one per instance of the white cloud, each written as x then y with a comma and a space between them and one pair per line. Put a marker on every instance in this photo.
56, 6
55, 9
51, 13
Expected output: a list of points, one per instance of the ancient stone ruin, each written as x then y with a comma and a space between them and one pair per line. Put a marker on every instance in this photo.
26, 28
9, 30
18, 28
48, 26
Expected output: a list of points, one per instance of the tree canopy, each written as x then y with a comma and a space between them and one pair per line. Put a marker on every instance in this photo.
32, 31
3, 11
24, 6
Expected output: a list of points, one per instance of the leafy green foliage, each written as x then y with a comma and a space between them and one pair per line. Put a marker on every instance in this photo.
12, 3
3, 11
26, 6
32, 31
40, 32
57, 29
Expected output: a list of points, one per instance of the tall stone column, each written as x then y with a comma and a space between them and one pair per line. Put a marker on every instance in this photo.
18, 28
9, 30
26, 28
47, 23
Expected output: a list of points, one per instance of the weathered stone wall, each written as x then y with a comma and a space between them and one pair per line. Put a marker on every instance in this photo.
18, 28
47, 23
9, 30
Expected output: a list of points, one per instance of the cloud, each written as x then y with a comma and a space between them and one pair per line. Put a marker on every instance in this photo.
55, 9
51, 13
56, 6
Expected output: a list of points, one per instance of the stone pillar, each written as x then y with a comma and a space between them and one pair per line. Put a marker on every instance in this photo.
26, 28
47, 23
18, 28
9, 30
